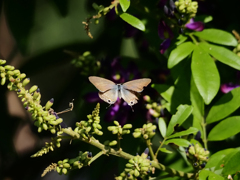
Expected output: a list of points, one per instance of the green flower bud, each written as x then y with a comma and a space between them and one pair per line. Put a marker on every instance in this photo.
136, 173
2, 62
9, 68
58, 169
64, 171
126, 132
45, 127
116, 123
25, 82
65, 160
33, 88
99, 126
58, 144
37, 123
149, 106
53, 131
3, 81
128, 165
49, 104
66, 165
3, 74
120, 130
127, 169
137, 134
21, 76
59, 120
144, 168
16, 72
10, 73
89, 116
191, 150
127, 126
145, 136
113, 143
40, 129
111, 128
115, 131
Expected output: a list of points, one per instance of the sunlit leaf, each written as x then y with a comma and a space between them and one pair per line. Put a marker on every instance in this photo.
124, 4
191, 130
135, 22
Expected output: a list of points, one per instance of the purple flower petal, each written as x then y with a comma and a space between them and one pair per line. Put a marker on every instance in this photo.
92, 97
164, 31
225, 88
196, 26
165, 44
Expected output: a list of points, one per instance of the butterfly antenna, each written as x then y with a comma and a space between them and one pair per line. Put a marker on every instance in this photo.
132, 109
108, 106
68, 109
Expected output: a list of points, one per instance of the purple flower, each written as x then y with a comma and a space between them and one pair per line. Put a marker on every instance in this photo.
165, 44
196, 26
225, 88
165, 33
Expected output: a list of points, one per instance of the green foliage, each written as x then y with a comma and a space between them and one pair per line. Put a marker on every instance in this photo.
178, 119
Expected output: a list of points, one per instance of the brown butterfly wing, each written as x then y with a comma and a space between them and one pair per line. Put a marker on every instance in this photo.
137, 85
109, 96
101, 84
129, 96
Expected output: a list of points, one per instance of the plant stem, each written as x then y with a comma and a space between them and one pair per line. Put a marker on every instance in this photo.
150, 150
193, 38
160, 146
204, 133
96, 156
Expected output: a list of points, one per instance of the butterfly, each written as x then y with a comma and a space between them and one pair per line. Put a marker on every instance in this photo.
109, 91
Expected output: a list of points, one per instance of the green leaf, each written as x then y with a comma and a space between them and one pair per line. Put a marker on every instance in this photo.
226, 105
166, 91
182, 114
225, 129
181, 52
208, 175
218, 156
191, 130
179, 142
232, 165
217, 36
180, 39
162, 126
204, 18
198, 106
205, 74
135, 22
222, 54
165, 150
124, 4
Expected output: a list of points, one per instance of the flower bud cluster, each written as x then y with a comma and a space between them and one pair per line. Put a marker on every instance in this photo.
181, 12
44, 120
147, 131
118, 129
86, 62
137, 167
63, 167
187, 7
236, 50
86, 128
154, 109
49, 147
197, 156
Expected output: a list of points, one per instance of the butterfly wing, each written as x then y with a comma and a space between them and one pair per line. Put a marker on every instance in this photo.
136, 85
128, 96
101, 84
109, 96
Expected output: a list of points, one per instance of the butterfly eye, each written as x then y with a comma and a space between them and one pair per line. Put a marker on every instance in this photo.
109, 101
131, 102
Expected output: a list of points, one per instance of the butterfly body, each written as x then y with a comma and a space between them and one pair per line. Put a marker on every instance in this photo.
110, 92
